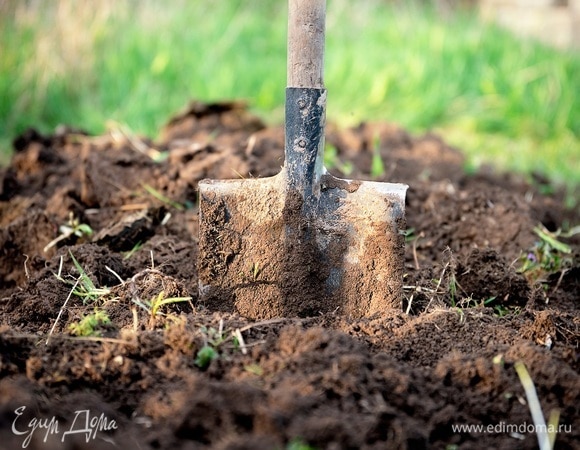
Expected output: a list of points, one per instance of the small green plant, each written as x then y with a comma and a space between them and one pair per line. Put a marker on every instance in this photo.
72, 228
254, 272
460, 314
134, 250
162, 198
409, 234
214, 339
498, 309
205, 356
154, 305
89, 325
299, 444
377, 165
331, 160
86, 289
83, 285
160, 300
501, 310
548, 255
255, 269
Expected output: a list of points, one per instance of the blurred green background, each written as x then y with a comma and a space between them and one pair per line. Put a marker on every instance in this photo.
504, 101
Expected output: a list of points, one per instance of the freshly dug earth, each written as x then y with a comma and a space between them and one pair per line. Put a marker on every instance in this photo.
162, 370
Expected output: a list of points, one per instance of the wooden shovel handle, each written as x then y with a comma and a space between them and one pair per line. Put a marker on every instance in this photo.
306, 23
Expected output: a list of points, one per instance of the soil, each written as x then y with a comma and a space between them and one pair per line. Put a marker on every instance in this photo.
167, 370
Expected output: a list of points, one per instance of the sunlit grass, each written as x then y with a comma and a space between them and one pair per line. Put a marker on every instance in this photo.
503, 101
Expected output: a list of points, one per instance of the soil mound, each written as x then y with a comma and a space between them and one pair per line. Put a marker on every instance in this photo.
104, 343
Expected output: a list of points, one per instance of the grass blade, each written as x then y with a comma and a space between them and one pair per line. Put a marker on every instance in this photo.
544, 440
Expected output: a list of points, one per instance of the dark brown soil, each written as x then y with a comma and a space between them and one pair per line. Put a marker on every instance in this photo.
204, 376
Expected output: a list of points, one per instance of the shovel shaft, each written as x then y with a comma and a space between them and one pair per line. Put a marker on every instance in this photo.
305, 102
304, 147
306, 23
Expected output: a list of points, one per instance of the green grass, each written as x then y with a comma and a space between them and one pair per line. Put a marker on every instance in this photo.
501, 100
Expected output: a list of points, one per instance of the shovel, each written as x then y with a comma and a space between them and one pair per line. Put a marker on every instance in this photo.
303, 242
